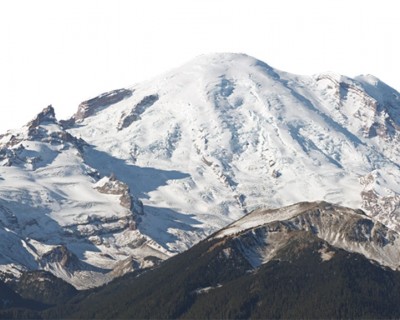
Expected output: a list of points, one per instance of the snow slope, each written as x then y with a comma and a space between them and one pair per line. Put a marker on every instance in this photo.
55, 213
226, 133
141, 173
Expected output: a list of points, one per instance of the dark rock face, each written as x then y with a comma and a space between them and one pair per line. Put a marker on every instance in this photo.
117, 187
47, 115
127, 119
386, 110
61, 255
90, 107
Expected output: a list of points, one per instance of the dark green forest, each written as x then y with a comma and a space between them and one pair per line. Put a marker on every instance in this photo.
207, 283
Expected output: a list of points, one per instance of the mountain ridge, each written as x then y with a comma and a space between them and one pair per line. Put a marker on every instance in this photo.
303, 272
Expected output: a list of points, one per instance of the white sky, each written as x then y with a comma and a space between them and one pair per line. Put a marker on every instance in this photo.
63, 52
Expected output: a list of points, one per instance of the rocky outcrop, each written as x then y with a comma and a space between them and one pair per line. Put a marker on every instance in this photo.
387, 120
127, 119
61, 256
377, 113
90, 107
129, 265
47, 115
110, 185
385, 205
44, 128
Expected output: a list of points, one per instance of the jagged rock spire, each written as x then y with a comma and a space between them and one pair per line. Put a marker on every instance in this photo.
47, 115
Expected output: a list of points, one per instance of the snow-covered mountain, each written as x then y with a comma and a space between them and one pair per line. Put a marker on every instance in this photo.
226, 134
139, 174
58, 214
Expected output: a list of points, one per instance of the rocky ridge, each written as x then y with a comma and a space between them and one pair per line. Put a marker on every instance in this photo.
260, 235
57, 213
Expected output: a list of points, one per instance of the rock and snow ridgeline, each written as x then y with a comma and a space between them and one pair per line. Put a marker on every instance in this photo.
59, 214
262, 233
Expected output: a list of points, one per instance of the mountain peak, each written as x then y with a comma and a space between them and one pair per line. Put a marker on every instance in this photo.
223, 56
224, 61
46, 115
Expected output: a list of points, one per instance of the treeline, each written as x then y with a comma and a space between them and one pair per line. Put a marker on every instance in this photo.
213, 280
